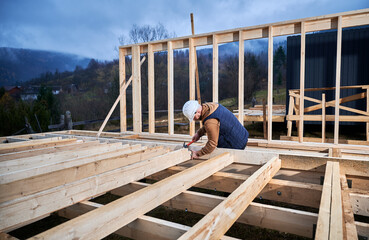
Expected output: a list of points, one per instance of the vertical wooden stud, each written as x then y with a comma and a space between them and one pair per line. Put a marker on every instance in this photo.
136, 89
338, 80
241, 76
122, 81
302, 82
170, 89
323, 118
215, 69
151, 88
270, 82
192, 69
290, 113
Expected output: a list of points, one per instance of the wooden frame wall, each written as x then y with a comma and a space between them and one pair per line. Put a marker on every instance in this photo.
299, 26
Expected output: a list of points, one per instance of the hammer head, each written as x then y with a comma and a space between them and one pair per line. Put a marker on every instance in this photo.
184, 145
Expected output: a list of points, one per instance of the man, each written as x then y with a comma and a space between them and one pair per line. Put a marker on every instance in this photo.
221, 126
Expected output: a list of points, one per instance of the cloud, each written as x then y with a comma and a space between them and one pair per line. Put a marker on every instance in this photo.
91, 27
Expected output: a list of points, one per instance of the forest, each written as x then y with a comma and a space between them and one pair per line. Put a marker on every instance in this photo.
88, 93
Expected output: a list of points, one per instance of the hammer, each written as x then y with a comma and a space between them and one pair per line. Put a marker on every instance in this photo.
186, 146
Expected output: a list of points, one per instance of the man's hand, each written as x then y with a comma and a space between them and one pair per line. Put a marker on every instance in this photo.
195, 154
196, 137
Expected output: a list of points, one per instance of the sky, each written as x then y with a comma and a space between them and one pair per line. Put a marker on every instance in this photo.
91, 28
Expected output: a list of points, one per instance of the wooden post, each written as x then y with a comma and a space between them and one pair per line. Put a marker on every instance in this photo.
196, 66
170, 89
122, 81
192, 78
290, 113
136, 90
323, 118
151, 88
69, 122
215, 68
241, 76
302, 83
270, 82
338, 80
264, 121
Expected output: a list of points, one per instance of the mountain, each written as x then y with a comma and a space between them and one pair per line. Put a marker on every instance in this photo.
20, 65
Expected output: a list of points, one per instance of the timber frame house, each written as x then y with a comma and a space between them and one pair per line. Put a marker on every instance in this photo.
62, 172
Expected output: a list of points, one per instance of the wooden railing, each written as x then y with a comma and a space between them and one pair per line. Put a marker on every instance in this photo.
300, 26
295, 114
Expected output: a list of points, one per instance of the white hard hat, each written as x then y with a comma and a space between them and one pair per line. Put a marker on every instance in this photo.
189, 109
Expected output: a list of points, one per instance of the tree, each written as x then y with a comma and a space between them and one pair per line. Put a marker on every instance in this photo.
279, 65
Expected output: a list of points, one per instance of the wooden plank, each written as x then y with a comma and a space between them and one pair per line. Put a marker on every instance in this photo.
336, 218
323, 225
34, 144
362, 229
220, 219
192, 69
260, 215
10, 166
338, 80
319, 23
349, 228
331, 118
144, 227
170, 89
136, 90
270, 82
122, 81
216, 69
290, 113
298, 193
302, 83
323, 118
57, 198
151, 88
241, 78
109, 218
30, 153
28, 186
64, 163
333, 102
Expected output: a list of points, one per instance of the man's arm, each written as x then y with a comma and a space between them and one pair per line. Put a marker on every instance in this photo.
211, 127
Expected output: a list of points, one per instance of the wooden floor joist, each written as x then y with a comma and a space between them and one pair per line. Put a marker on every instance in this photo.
63, 175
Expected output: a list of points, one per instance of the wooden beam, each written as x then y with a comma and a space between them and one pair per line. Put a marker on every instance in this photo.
220, 219
57, 198
302, 83
170, 89
14, 165
270, 82
241, 78
290, 113
34, 144
37, 152
192, 69
144, 227
136, 90
349, 228
338, 80
64, 163
216, 69
28, 186
336, 218
122, 81
331, 118
109, 218
323, 225
260, 215
151, 88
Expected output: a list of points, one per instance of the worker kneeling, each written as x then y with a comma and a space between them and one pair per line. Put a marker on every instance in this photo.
221, 126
